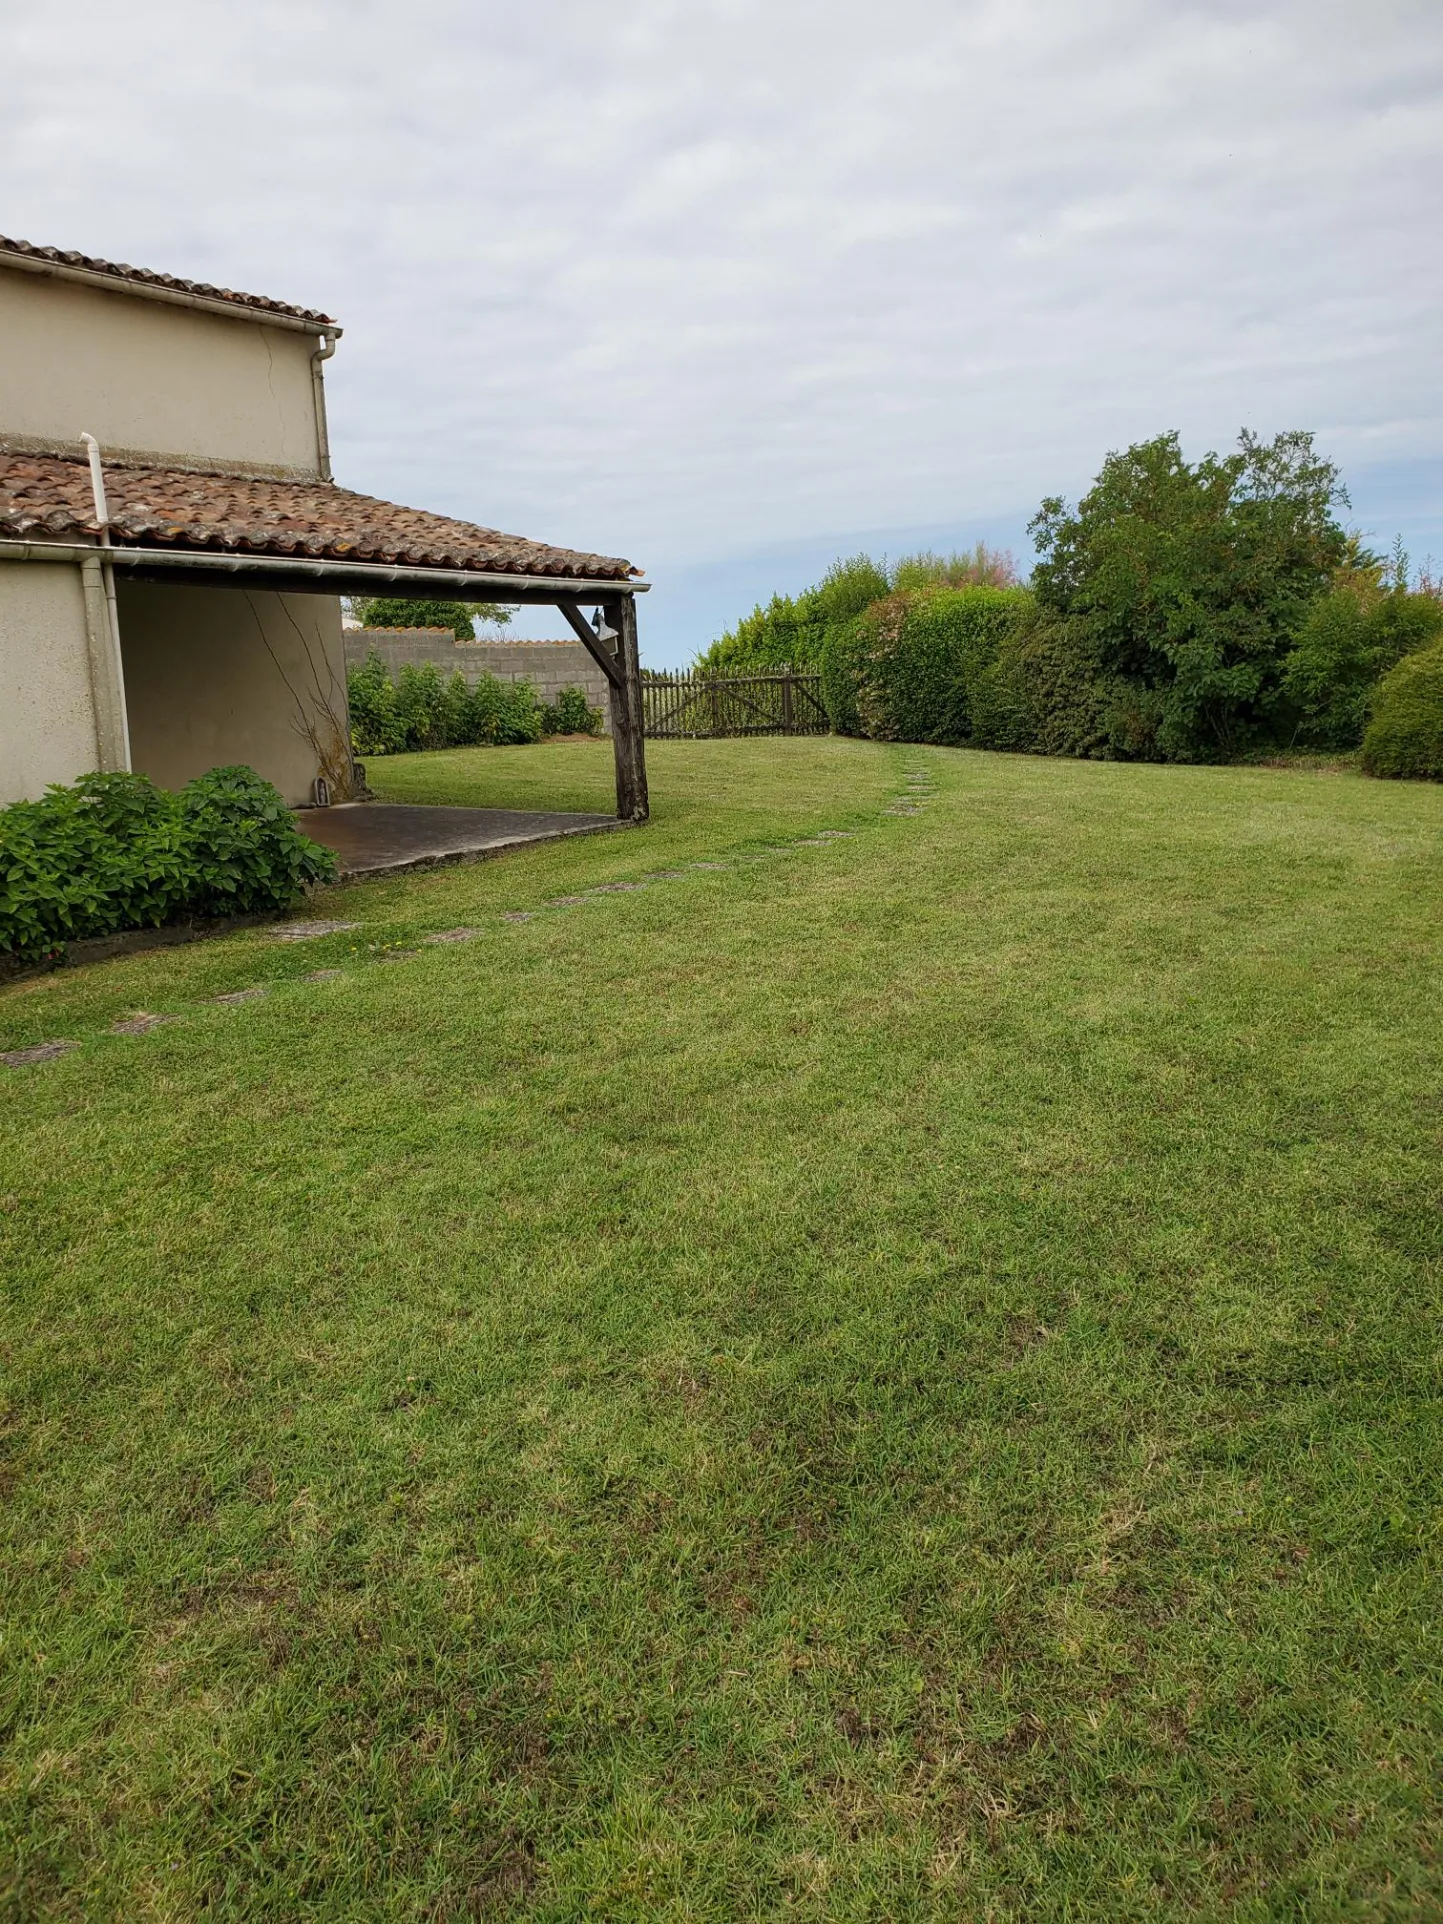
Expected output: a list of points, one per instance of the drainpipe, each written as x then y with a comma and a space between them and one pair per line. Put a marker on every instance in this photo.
318, 382
107, 674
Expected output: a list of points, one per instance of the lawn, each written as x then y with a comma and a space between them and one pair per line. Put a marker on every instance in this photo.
880, 1376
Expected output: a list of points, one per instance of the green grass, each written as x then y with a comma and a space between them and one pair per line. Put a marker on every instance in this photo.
896, 1379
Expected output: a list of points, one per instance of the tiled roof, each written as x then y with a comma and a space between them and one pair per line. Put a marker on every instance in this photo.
48, 497
143, 277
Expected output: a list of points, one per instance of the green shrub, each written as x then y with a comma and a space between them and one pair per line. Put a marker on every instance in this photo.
918, 657
376, 728
1350, 639
570, 714
115, 852
841, 662
792, 633
503, 713
245, 850
1405, 735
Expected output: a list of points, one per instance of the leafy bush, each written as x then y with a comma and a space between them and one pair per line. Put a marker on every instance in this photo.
245, 850
909, 668
795, 633
116, 852
1405, 735
841, 663
1350, 639
376, 727
570, 714
422, 709
502, 713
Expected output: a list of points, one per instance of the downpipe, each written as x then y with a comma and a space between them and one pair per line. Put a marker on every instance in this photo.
318, 387
107, 577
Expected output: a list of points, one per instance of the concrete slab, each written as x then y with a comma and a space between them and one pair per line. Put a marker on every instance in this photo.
378, 838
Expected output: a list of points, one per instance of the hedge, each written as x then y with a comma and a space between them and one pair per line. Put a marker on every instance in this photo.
919, 665
115, 852
1405, 735
424, 709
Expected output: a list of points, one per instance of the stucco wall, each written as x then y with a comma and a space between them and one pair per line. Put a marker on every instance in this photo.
217, 675
47, 722
549, 666
141, 375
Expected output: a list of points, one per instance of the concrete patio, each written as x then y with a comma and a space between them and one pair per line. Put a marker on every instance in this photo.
381, 838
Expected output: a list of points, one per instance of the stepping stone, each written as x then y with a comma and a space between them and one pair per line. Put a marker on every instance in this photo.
567, 901
451, 935
37, 1052
625, 888
519, 915
243, 995
834, 834
712, 865
307, 931
324, 975
140, 1023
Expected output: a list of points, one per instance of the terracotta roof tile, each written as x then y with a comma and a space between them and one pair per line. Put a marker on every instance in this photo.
144, 277
47, 497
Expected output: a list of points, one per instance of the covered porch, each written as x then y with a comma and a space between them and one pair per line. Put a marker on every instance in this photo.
207, 624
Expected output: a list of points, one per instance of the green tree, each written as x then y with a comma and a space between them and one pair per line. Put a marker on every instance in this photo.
1184, 586
396, 611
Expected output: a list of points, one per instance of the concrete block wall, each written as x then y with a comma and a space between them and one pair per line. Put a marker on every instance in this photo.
549, 666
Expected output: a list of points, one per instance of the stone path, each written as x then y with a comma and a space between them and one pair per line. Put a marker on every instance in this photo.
918, 790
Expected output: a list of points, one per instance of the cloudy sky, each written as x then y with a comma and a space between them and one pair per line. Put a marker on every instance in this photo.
731, 286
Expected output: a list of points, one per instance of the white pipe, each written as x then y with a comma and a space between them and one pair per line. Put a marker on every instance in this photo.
318, 387
107, 575
357, 577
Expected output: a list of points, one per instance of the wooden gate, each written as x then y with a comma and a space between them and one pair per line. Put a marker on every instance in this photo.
688, 706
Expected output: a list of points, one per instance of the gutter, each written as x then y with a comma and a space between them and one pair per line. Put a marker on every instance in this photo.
333, 577
176, 296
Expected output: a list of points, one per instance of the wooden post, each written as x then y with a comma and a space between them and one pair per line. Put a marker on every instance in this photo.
628, 723
788, 719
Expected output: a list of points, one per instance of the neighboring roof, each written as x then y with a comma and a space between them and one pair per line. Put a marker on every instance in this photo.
46, 496
141, 280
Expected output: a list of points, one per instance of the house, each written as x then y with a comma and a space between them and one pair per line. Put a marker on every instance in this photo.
173, 547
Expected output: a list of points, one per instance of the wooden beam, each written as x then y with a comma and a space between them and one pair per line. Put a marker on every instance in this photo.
603, 657
628, 733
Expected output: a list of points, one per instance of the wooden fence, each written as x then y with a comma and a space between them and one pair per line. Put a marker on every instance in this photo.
689, 705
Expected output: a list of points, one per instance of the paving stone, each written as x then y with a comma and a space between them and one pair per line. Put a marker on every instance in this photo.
37, 1052
141, 1023
244, 995
451, 935
626, 888
307, 931
519, 915
324, 975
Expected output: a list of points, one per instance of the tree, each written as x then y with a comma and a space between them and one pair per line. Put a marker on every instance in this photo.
1184, 586
395, 611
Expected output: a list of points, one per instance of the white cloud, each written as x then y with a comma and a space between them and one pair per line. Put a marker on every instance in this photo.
677, 281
